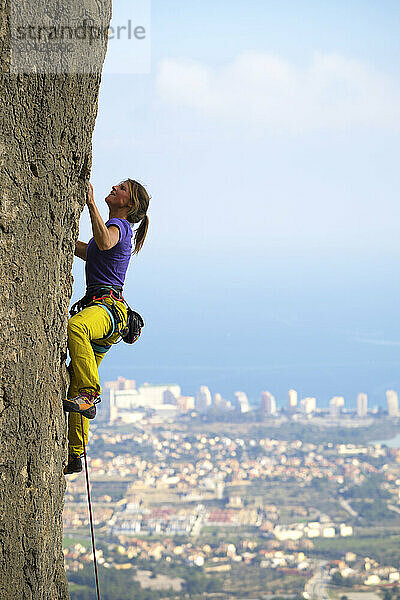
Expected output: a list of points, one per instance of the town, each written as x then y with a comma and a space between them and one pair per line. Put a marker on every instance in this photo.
293, 503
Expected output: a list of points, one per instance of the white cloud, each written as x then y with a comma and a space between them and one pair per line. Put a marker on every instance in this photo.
263, 90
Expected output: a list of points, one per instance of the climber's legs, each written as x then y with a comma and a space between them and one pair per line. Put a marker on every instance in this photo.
87, 344
91, 323
75, 437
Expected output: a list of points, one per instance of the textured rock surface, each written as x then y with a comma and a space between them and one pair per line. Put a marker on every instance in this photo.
46, 124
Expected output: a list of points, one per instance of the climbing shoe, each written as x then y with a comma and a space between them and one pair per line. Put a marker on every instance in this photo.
84, 403
74, 465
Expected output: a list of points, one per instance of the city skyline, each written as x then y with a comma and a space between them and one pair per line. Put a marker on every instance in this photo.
125, 394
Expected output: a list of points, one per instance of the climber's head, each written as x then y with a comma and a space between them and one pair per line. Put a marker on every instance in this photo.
130, 200
139, 203
119, 199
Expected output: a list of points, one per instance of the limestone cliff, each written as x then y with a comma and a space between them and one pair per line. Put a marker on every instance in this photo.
46, 123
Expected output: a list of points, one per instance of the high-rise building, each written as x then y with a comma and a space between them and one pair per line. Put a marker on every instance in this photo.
185, 403
392, 400
118, 396
203, 399
220, 403
169, 397
335, 405
218, 400
292, 399
121, 383
268, 403
362, 405
308, 405
241, 402
150, 395
107, 412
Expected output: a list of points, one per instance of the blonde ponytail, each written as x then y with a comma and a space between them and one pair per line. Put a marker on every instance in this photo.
138, 213
140, 234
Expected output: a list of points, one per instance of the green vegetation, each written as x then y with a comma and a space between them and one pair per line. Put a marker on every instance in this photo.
197, 583
369, 499
254, 425
121, 585
115, 585
70, 540
382, 429
384, 549
372, 488
116, 491
339, 580
393, 594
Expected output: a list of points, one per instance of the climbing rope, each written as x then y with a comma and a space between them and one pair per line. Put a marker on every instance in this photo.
90, 513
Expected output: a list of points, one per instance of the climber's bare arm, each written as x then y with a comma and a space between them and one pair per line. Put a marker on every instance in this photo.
81, 250
105, 237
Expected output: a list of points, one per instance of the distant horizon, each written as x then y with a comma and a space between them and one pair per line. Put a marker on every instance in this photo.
254, 399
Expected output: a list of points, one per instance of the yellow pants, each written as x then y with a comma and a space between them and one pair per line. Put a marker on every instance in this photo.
87, 345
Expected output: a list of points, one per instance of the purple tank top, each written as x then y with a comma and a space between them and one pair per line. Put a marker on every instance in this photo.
108, 267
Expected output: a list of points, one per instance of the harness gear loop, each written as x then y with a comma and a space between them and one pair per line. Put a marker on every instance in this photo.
90, 514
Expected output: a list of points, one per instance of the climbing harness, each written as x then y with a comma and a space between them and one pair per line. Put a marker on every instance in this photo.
97, 295
90, 514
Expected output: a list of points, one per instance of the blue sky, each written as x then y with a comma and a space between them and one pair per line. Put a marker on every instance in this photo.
268, 136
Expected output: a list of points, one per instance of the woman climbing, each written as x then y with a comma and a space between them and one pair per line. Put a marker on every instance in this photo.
102, 312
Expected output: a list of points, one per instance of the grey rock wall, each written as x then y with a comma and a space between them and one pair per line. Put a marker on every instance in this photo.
46, 124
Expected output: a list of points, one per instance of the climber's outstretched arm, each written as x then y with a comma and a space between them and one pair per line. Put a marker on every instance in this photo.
105, 237
81, 250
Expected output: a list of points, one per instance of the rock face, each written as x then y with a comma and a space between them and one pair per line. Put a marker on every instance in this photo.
46, 123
